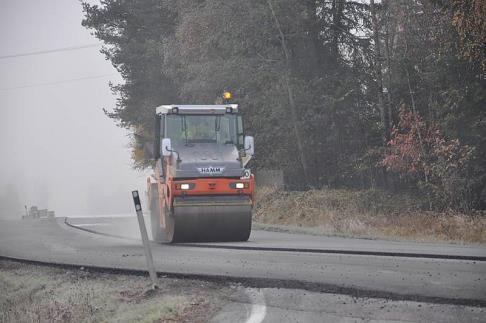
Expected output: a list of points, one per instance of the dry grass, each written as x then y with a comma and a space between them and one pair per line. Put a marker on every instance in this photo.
371, 214
39, 294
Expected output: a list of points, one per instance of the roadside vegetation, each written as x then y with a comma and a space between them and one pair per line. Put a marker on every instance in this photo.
373, 110
338, 94
41, 294
365, 214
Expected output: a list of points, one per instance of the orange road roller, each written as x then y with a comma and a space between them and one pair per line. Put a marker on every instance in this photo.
201, 189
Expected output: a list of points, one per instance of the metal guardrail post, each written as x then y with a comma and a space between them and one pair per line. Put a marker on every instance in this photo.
145, 240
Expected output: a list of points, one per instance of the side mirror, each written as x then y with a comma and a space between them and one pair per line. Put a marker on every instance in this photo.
166, 147
249, 145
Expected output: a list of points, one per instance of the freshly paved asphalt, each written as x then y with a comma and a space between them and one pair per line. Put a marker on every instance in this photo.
431, 280
128, 227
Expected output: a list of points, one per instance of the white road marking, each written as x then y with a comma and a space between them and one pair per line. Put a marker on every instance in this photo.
90, 224
258, 306
98, 216
59, 247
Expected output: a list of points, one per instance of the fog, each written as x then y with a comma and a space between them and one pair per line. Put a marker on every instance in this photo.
58, 149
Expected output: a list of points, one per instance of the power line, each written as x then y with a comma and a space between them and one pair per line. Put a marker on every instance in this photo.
48, 51
57, 82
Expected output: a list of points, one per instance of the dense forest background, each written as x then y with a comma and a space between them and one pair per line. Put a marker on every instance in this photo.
338, 93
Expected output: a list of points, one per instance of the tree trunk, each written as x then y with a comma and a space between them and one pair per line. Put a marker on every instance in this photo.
421, 142
379, 74
389, 105
389, 73
337, 12
291, 98
379, 80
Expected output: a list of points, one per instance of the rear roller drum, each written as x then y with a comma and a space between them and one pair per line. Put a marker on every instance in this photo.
160, 234
155, 216
169, 226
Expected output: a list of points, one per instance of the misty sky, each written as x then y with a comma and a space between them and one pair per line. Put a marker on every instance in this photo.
57, 147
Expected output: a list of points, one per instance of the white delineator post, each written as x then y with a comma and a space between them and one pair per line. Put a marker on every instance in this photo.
145, 240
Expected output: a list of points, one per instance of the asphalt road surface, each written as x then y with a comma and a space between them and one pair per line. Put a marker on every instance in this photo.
284, 277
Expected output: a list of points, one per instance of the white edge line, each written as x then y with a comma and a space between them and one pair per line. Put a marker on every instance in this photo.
90, 224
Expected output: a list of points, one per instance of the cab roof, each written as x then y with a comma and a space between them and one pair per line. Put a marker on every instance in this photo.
196, 109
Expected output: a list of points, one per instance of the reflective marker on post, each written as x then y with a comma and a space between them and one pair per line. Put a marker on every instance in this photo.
143, 232
136, 200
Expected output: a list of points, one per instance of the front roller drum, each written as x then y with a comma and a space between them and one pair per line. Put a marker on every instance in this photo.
216, 222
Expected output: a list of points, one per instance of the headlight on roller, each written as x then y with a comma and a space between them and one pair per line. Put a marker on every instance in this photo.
239, 185
185, 186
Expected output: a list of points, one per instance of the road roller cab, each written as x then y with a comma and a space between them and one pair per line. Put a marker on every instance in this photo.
201, 189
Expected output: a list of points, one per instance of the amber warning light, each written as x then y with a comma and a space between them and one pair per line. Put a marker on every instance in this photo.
227, 95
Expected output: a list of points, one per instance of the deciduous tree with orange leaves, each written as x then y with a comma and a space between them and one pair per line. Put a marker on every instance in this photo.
441, 166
